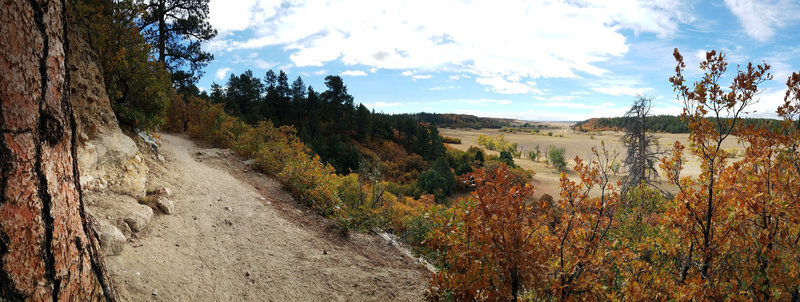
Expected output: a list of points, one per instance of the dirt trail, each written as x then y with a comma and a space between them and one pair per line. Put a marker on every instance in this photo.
227, 242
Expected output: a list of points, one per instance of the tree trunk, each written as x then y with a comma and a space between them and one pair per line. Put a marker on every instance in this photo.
48, 249
162, 32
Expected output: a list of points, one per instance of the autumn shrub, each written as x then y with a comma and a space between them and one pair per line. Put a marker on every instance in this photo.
413, 220
451, 140
139, 87
579, 240
490, 243
358, 201
499, 144
641, 265
732, 222
520, 175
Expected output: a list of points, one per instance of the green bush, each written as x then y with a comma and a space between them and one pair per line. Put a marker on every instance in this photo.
555, 156
464, 169
434, 183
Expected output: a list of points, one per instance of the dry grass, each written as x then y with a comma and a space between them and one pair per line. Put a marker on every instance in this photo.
576, 144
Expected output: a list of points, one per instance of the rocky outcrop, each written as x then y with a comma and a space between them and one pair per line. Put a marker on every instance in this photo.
122, 211
107, 158
113, 172
111, 161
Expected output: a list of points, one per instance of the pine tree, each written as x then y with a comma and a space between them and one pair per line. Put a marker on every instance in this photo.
177, 28
48, 248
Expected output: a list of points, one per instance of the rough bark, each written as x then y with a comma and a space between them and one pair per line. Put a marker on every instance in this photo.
48, 249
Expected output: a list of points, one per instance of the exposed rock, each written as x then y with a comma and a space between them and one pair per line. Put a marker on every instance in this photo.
111, 238
212, 153
125, 212
112, 156
163, 191
139, 218
90, 104
165, 205
107, 158
149, 139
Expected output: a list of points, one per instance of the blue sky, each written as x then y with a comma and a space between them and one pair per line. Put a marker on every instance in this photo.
533, 60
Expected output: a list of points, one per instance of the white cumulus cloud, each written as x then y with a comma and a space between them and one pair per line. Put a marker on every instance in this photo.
504, 45
760, 17
354, 73
220, 75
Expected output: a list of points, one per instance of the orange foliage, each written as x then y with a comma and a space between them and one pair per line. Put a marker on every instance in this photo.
736, 222
491, 243
579, 242
280, 153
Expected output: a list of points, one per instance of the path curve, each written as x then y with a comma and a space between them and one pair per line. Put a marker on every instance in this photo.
205, 252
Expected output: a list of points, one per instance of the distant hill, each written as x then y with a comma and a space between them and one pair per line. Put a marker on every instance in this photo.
452, 120
660, 123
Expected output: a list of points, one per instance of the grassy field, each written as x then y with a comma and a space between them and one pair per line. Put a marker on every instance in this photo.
576, 144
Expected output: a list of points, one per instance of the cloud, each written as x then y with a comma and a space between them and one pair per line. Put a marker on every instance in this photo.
760, 17
220, 75
316, 73
354, 73
514, 42
502, 85
485, 101
421, 76
229, 16
562, 98
767, 102
621, 90
619, 86
437, 88
261, 64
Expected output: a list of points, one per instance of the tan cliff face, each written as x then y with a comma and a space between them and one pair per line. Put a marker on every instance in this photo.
107, 158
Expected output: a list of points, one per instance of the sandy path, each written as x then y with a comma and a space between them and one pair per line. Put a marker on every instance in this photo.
205, 252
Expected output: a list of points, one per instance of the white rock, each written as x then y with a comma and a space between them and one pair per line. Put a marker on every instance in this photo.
228, 208
111, 238
139, 218
165, 204
112, 155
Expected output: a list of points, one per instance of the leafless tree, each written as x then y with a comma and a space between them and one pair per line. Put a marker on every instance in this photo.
642, 152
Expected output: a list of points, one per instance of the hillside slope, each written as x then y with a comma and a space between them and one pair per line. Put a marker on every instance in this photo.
225, 241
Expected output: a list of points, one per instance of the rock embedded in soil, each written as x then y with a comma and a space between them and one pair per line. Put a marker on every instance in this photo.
139, 218
165, 204
111, 238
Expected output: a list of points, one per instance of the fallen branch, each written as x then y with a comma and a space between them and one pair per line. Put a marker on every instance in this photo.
399, 246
